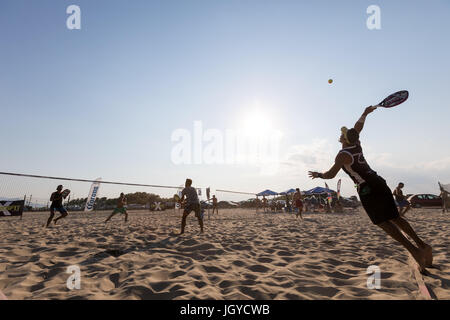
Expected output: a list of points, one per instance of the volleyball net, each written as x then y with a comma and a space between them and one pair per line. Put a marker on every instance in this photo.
95, 194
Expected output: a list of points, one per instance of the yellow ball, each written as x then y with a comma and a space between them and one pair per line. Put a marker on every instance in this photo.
330, 81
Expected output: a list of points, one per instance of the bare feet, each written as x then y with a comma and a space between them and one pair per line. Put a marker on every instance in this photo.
419, 256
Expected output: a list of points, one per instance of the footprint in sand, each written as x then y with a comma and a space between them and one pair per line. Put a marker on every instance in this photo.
114, 278
199, 284
160, 286
283, 253
176, 274
258, 268
213, 269
226, 284
238, 263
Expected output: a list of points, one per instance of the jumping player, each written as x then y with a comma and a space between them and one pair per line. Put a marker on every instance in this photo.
192, 204
375, 195
57, 204
121, 203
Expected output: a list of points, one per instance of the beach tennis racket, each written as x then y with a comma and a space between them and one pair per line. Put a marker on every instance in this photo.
394, 99
65, 193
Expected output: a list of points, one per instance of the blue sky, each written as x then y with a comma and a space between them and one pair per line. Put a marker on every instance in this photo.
103, 101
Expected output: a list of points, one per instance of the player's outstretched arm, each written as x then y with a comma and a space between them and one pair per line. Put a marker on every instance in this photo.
341, 160
359, 125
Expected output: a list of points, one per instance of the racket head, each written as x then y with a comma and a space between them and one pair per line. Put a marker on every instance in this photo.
176, 198
65, 193
394, 99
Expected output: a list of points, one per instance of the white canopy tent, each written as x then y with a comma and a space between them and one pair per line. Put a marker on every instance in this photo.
444, 187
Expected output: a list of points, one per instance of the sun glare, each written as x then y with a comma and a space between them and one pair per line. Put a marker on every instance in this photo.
256, 123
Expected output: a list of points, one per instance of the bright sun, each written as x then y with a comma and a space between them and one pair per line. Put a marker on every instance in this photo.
256, 123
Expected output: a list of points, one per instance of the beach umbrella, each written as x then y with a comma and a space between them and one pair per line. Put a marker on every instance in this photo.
444, 187
287, 192
319, 191
267, 193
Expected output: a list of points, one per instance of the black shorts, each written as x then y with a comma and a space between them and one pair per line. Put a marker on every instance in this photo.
377, 200
193, 207
61, 209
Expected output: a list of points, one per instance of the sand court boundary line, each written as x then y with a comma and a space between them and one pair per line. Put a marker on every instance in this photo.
423, 288
2, 296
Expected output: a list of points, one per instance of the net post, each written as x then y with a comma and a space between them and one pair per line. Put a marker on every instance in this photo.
24, 199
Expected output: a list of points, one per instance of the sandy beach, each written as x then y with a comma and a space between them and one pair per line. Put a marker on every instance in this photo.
241, 255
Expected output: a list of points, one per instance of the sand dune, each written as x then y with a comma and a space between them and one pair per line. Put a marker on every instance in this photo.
242, 255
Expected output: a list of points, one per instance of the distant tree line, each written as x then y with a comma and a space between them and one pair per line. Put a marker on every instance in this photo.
137, 198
